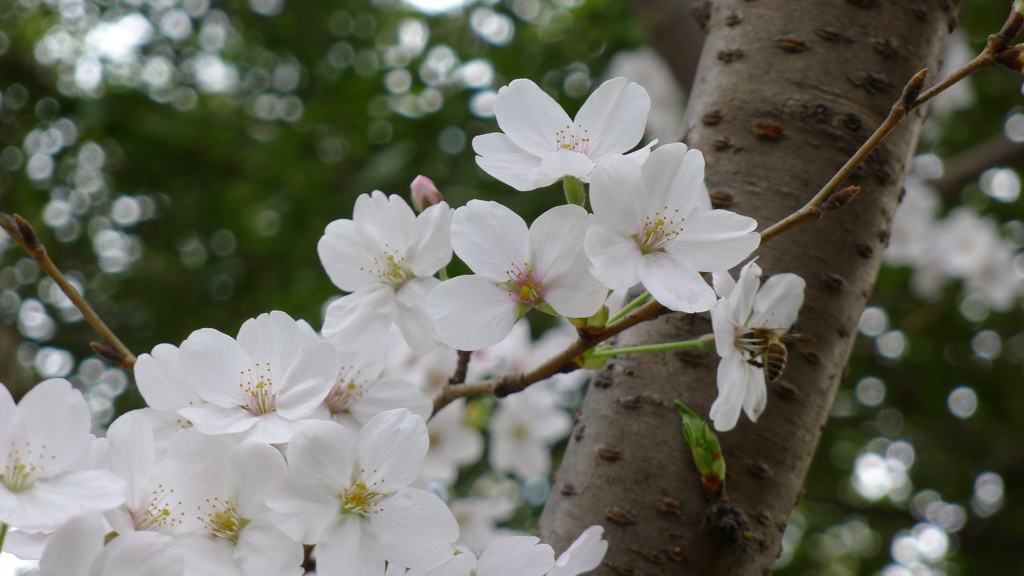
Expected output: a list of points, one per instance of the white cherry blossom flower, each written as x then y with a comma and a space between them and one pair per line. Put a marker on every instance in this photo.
264, 383
43, 443
453, 443
385, 256
349, 495
654, 225
913, 225
166, 389
583, 555
428, 371
523, 428
539, 144
77, 549
162, 494
236, 533
480, 513
516, 269
512, 556
361, 392
746, 316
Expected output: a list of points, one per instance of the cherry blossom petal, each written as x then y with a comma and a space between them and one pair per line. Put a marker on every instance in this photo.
132, 452
724, 329
52, 501
732, 381
391, 448
388, 394
214, 363
307, 383
361, 319
471, 312
755, 397
618, 195
575, 295
73, 547
263, 550
583, 555
383, 220
135, 553
272, 341
52, 417
615, 117
349, 551
519, 555
321, 455
715, 240
206, 556
305, 505
343, 257
432, 249
779, 301
415, 528
559, 163
249, 470
213, 419
675, 283
640, 155
502, 159
674, 177
723, 282
558, 239
271, 428
529, 116
522, 459
415, 323
161, 381
554, 426
490, 238
742, 299
615, 259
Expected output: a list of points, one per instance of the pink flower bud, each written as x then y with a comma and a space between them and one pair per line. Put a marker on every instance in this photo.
424, 193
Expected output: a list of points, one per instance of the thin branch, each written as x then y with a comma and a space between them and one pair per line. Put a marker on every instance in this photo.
22, 232
565, 361
812, 210
459, 377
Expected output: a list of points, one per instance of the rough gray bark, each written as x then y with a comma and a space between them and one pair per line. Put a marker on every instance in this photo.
786, 90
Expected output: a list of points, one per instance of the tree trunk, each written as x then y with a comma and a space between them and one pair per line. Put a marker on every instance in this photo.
786, 90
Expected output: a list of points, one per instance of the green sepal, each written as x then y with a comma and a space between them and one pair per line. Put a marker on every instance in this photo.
598, 320
707, 452
575, 192
589, 362
546, 308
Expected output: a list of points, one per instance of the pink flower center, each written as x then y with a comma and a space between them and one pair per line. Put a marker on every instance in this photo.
659, 230
524, 286
574, 138
344, 396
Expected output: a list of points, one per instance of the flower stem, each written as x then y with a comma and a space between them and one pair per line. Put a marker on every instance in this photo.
575, 193
705, 342
630, 306
3, 534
